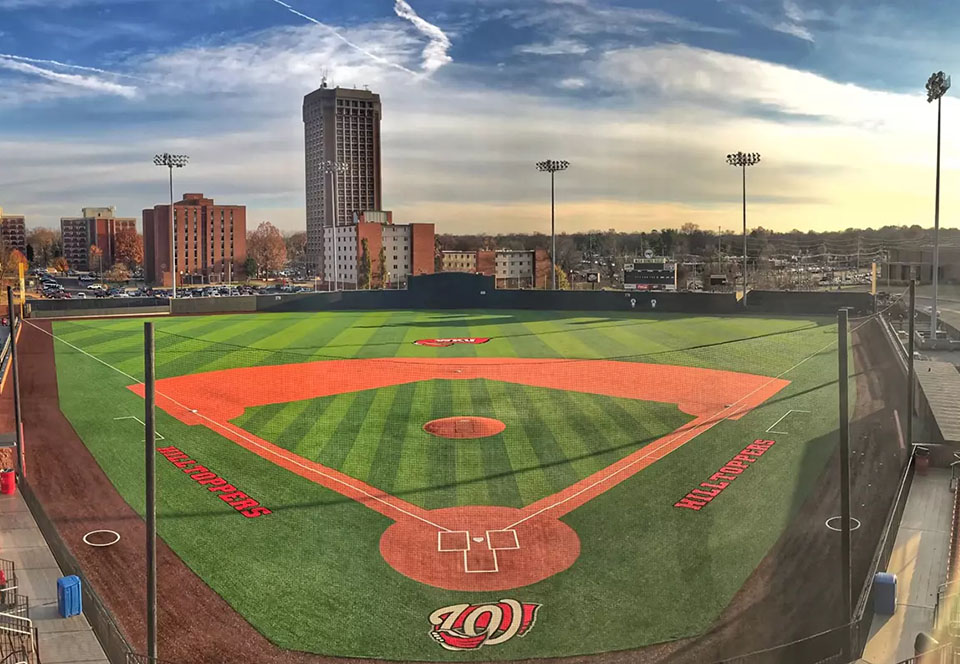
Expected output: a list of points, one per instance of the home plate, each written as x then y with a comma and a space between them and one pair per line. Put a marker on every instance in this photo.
477, 539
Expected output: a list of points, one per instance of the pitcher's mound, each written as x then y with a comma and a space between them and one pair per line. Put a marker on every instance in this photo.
464, 427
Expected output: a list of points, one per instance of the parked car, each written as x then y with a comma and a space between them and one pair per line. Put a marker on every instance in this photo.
95, 287
87, 277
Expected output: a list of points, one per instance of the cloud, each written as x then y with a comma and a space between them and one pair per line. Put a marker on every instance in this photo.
572, 83
790, 21
435, 53
355, 46
91, 83
556, 47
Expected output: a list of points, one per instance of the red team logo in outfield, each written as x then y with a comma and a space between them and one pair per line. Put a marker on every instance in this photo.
440, 343
470, 626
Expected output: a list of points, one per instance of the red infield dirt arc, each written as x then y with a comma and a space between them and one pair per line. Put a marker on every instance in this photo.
468, 548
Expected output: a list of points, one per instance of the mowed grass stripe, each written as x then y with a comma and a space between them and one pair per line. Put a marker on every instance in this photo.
386, 459
330, 411
387, 337
217, 356
349, 340
471, 484
287, 343
532, 483
417, 449
361, 455
549, 453
442, 453
502, 488
563, 425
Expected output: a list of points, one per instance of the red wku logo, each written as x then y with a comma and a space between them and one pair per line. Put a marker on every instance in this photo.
450, 342
469, 626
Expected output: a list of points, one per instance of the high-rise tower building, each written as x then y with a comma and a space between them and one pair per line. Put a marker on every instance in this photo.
343, 126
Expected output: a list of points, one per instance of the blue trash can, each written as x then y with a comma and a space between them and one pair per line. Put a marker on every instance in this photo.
885, 593
69, 602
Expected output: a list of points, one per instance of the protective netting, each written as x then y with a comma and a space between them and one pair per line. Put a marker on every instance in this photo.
503, 484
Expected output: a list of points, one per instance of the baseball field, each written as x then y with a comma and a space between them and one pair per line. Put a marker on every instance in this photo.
464, 485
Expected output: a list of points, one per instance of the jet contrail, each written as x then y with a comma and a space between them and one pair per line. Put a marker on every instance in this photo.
39, 61
434, 53
346, 41
76, 80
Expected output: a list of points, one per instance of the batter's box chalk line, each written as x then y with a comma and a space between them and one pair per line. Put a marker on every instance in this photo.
142, 423
782, 418
461, 541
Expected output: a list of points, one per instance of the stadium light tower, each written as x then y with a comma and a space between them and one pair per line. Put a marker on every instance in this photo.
937, 86
333, 168
742, 160
172, 161
551, 166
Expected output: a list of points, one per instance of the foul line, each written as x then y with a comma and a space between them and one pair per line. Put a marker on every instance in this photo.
134, 417
783, 433
193, 411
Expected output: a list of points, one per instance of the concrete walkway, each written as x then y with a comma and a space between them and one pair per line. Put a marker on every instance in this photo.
62, 641
919, 560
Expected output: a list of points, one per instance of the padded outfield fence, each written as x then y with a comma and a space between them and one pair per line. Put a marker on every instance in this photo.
552, 459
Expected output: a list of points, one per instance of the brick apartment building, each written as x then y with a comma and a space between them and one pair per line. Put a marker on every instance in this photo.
210, 241
97, 226
13, 232
512, 268
408, 249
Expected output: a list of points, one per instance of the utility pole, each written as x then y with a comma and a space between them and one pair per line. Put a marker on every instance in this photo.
845, 563
150, 460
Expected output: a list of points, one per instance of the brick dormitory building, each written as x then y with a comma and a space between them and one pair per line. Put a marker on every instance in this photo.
408, 250
98, 226
511, 268
210, 241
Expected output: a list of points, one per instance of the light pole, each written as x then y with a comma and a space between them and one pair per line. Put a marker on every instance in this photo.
171, 161
551, 166
937, 86
744, 159
333, 168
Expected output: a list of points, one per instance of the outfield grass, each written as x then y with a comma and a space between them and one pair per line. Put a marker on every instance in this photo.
310, 576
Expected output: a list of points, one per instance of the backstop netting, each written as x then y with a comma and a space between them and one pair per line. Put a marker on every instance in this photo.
422, 485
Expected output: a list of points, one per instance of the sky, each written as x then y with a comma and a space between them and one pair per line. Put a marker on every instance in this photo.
644, 99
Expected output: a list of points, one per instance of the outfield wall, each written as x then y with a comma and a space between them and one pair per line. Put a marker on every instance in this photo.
454, 290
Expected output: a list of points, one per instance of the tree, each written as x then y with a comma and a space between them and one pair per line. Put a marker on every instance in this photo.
568, 256
266, 246
96, 258
296, 244
119, 272
562, 282
250, 267
129, 247
30, 253
364, 269
382, 267
60, 264
45, 243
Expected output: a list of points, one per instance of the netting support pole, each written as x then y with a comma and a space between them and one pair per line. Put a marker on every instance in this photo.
843, 384
911, 376
151, 472
17, 416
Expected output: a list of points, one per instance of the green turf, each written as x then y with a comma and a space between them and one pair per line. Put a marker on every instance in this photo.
552, 438
310, 576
